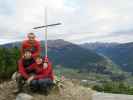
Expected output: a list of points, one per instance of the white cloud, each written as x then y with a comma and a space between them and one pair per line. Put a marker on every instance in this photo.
83, 20
104, 19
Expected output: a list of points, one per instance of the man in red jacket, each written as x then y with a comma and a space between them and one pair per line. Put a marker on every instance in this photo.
43, 79
23, 72
31, 44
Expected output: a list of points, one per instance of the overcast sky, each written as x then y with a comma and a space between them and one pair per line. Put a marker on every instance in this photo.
82, 20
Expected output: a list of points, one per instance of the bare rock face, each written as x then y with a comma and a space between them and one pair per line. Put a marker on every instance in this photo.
24, 96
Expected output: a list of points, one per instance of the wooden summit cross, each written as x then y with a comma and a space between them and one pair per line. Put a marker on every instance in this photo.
46, 28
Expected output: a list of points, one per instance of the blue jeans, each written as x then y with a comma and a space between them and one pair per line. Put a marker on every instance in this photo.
42, 84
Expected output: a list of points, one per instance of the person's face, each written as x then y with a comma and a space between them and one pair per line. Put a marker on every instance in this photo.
27, 55
31, 37
45, 65
38, 60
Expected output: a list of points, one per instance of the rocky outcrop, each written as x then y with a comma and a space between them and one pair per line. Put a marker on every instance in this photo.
69, 91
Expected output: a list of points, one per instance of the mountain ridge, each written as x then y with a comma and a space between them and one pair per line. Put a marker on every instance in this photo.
121, 54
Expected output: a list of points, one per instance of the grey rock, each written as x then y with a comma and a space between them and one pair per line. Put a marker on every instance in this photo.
24, 96
110, 96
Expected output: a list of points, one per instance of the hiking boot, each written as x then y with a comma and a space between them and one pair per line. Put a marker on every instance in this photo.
17, 91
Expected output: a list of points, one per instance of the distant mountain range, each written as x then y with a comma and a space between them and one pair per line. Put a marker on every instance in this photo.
121, 54
70, 55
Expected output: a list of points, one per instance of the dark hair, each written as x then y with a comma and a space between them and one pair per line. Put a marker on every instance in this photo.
31, 34
27, 50
38, 57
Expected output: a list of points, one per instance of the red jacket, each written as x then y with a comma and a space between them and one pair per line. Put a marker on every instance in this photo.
42, 73
35, 48
21, 69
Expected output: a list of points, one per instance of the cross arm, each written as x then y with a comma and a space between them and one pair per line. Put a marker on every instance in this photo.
50, 25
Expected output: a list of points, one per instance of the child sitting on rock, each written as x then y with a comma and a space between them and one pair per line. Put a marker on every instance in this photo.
43, 78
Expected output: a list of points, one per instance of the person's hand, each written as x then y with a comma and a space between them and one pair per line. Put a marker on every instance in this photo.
30, 79
23, 56
45, 65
